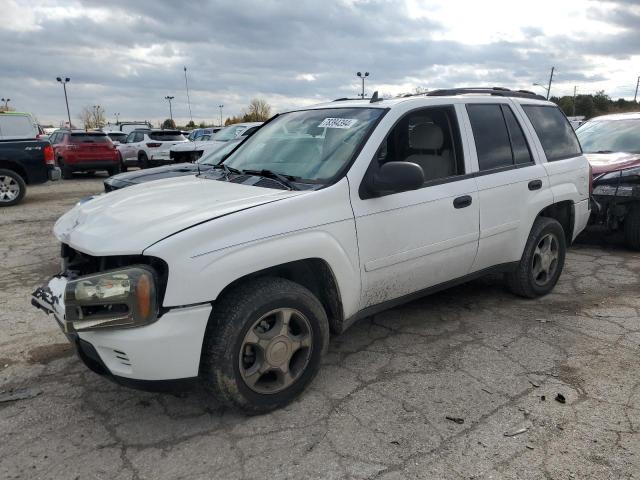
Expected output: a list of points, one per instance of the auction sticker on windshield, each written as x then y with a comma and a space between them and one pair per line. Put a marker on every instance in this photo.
338, 123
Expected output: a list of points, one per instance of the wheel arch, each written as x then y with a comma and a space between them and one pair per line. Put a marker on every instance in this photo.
314, 274
564, 213
15, 167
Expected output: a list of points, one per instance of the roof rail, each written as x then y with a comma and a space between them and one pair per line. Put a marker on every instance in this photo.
497, 91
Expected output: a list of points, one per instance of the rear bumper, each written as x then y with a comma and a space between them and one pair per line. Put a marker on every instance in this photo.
92, 165
54, 174
582, 212
166, 351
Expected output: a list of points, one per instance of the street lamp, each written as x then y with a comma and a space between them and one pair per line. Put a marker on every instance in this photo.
169, 98
220, 107
541, 86
362, 77
66, 100
6, 101
117, 115
548, 89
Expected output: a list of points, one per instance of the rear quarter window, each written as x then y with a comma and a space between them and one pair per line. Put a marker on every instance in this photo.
556, 135
17, 126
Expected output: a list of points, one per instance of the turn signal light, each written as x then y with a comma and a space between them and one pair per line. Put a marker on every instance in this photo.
48, 155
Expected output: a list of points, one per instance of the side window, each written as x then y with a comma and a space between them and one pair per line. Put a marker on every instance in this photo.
521, 152
491, 136
130, 137
52, 139
139, 137
558, 139
429, 137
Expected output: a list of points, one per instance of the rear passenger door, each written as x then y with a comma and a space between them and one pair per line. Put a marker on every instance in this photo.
513, 186
409, 241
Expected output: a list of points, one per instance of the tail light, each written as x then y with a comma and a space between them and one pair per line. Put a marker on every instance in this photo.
153, 145
590, 180
48, 155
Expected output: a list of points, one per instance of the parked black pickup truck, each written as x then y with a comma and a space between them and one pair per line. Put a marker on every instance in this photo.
24, 160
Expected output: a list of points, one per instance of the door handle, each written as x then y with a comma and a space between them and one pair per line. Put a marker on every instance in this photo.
535, 184
462, 202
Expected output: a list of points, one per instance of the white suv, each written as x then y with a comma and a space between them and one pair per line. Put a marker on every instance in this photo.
145, 147
325, 215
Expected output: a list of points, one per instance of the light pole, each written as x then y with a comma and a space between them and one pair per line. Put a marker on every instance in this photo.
186, 84
362, 77
634, 97
117, 115
66, 100
6, 101
169, 98
220, 107
542, 86
575, 87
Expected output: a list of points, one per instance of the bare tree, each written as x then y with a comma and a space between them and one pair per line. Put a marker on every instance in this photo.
259, 111
93, 116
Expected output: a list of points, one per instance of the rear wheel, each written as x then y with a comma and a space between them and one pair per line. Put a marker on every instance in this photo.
632, 228
143, 160
67, 173
113, 170
123, 167
263, 344
12, 188
542, 260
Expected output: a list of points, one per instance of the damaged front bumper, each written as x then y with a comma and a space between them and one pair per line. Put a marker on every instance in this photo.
160, 356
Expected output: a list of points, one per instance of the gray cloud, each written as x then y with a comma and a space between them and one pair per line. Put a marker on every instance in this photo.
237, 50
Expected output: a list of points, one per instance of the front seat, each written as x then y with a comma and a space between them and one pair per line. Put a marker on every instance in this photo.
429, 137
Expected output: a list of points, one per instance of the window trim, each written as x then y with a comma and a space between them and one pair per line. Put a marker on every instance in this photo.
526, 142
363, 194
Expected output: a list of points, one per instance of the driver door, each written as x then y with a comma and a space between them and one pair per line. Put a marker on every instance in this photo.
413, 240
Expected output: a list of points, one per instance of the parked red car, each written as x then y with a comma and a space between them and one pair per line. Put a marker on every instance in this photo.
80, 151
612, 145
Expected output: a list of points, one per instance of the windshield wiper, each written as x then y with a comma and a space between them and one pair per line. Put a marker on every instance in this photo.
227, 170
283, 179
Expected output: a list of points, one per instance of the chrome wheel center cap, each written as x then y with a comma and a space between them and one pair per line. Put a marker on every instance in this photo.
279, 351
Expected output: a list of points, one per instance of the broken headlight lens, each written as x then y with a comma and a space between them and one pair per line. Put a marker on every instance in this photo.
120, 298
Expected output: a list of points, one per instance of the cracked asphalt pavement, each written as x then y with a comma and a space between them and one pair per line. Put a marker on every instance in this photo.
378, 409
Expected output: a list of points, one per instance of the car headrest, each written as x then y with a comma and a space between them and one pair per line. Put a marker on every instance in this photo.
426, 136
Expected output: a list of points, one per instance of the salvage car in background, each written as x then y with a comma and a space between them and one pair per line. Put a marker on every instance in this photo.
148, 147
190, 152
325, 215
82, 151
24, 158
202, 165
612, 145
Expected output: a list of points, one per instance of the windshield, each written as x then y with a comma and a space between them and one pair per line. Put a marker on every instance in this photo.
215, 157
310, 144
610, 136
229, 133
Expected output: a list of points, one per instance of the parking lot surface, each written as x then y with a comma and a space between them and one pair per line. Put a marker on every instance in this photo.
469, 383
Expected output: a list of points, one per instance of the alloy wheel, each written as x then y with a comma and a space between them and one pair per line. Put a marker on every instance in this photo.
9, 188
275, 350
545, 259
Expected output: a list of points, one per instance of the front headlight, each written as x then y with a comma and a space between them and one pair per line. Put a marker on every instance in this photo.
120, 298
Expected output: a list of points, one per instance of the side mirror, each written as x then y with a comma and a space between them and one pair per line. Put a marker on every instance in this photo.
394, 177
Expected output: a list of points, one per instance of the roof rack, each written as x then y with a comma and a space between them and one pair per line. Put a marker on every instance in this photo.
496, 91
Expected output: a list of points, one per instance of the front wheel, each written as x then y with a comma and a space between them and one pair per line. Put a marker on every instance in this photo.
12, 188
67, 173
143, 160
263, 344
542, 260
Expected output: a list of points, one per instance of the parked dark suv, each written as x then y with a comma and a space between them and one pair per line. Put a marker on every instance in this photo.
80, 151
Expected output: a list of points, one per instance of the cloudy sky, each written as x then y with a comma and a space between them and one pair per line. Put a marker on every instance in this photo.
128, 55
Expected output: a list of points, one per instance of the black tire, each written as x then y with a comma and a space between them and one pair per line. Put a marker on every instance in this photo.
67, 173
113, 170
143, 160
123, 167
522, 281
234, 314
12, 188
632, 228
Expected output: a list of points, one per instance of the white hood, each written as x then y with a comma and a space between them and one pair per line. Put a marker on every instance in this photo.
127, 221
